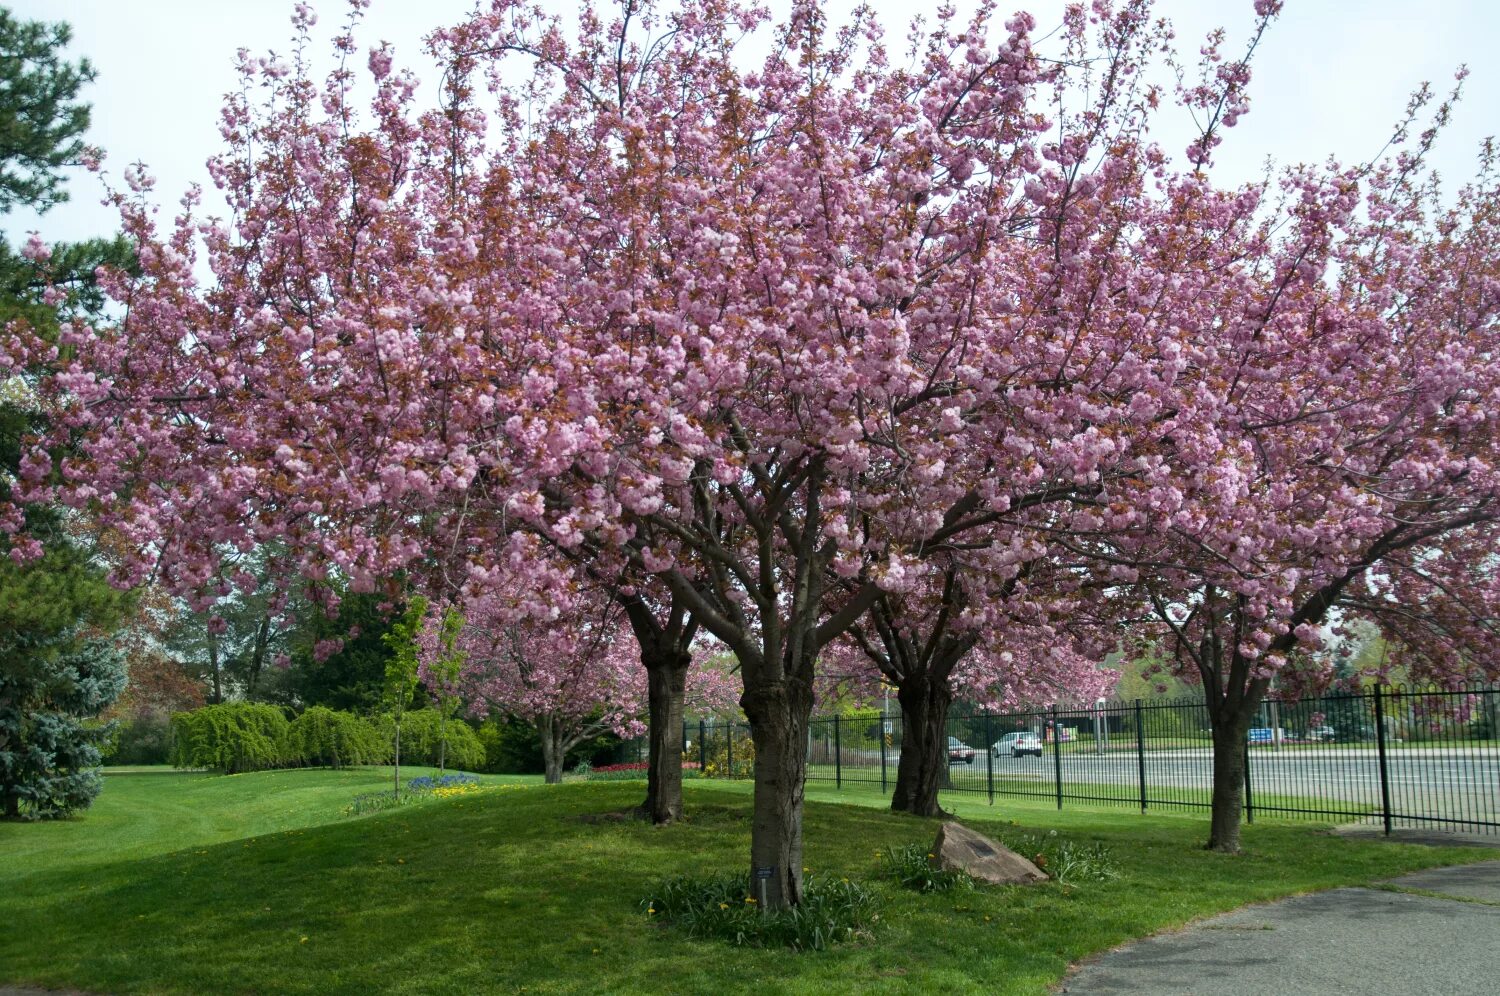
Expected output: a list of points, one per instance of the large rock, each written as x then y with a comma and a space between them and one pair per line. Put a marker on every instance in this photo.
958, 848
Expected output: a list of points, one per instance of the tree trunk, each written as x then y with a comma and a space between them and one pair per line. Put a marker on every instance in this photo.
12, 806
442, 742
778, 714
1229, 784
213, 665
258, 655
552, 752
923, 767
396, 775
666, 682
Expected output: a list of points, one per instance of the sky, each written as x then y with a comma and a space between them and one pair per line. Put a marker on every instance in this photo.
1330, 78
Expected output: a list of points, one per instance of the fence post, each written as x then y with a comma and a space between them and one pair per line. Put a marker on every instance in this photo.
838, 755
989, 758
1056, 756
1249, 796
882, 752
1140, 750
729, 751
703, 747
1385, 775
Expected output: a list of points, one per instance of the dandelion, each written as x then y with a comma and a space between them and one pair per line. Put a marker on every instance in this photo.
304, 939
723, 906
651, 909
750, 899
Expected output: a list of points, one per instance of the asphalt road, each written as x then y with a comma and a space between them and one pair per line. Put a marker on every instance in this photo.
1425, 783
1353, 941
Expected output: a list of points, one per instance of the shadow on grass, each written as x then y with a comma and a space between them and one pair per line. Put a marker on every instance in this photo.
512, 888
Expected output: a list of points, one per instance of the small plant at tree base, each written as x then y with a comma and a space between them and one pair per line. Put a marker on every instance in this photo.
718, 906
912, 867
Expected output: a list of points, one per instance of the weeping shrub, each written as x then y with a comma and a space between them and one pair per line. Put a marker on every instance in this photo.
420, 737
321, 737
232, 737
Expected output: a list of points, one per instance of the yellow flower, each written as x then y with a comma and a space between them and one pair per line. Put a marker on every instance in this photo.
749, 899
723, 906
304, 940
651, 909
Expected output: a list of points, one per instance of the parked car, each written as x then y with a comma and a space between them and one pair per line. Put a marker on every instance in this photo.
960, 752
1017, 745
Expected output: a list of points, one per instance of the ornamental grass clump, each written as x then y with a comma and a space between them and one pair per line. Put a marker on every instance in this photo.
376, 802
832, 911
911, 866
1067, 861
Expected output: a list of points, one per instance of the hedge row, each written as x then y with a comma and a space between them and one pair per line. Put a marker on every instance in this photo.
245, 736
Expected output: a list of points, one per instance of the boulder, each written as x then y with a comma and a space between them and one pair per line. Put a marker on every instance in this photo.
958, 848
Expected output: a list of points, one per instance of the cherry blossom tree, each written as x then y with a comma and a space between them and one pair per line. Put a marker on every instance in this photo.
574, 675
823, 320
1338, 459
749, 332
996, 648
763, 348
570, 683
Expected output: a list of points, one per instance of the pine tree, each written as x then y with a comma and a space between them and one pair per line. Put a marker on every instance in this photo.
58, 668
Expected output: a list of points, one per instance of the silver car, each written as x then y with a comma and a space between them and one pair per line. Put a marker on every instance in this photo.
1017, 745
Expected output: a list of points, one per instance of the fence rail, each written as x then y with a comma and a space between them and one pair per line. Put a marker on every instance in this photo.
1400, 756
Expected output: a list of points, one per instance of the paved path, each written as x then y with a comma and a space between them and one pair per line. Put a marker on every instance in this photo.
1434, 784
1328, 943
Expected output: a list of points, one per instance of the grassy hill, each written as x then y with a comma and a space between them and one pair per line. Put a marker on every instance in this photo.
256, 883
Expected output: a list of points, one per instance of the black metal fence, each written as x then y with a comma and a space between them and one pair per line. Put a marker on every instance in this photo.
1400, 756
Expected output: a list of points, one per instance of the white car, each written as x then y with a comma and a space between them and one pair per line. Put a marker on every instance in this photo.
1017, 745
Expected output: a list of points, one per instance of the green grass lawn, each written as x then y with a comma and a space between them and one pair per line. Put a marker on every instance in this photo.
1035, 787
188, 883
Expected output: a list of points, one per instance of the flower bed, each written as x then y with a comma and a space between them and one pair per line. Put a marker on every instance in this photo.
636, 770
